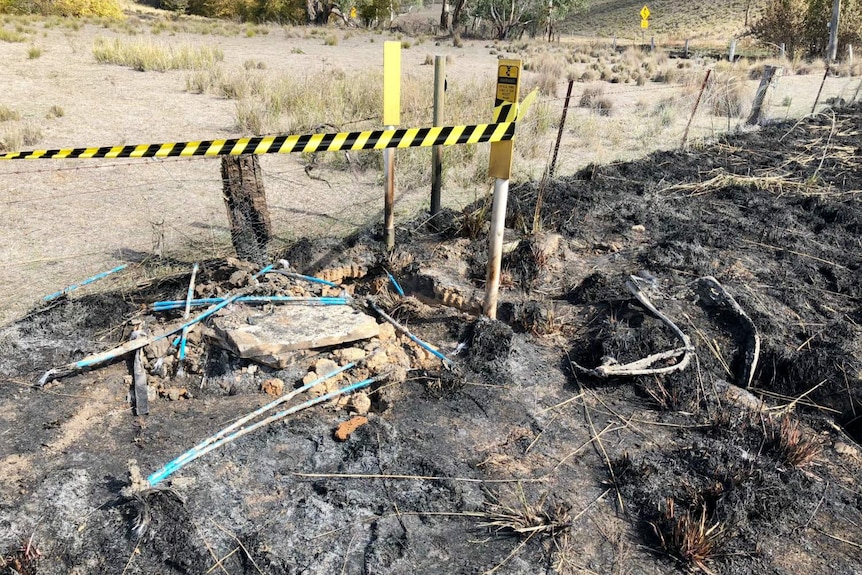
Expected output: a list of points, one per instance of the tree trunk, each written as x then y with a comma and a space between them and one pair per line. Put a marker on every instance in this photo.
445, 21
244, 196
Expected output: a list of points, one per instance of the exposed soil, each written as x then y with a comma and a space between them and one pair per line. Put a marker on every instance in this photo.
514, 460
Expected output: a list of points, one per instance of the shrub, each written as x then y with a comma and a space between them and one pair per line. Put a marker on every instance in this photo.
590, 95
330, 40
87, 8
55, 112
34, 52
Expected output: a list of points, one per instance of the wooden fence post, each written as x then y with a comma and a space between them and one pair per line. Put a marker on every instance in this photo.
562, 126
245, 199
760, 95
696, 104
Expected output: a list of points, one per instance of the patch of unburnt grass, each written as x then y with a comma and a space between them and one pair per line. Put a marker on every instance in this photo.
691, 535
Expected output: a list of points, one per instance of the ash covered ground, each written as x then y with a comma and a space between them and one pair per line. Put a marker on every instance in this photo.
549, 447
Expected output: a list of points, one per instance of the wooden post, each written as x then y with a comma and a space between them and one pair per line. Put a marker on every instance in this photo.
562, 126
652, 44
614, 44
244, 196
782, 51
832, 50
850, 54
685, 49
760, 95
437, 151
732, 53
696, 104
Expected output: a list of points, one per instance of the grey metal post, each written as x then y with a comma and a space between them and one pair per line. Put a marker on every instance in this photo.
437, 152
832, 51
732, 54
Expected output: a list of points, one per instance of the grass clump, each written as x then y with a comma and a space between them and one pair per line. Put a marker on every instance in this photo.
146, 55
16, 136
11, 36
55, 112
8, 114
789, 444
330, 40
688, 536
34, 52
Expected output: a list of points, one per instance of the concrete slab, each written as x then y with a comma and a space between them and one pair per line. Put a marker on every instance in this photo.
272, 338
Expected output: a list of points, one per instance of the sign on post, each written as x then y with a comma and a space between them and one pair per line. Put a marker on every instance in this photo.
508, 87
645, 14
391, 118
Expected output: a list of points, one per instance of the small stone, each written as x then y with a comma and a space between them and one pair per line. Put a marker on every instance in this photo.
252, 369
152, 393
348, 427
157, 349
387, 331
128, 379
239, 278
360, 403
638, 228
325, 366
348, 354
177, 393
309, 377
273, 386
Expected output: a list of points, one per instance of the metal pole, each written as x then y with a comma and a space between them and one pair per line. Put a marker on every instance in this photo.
562, 126
817, 99
832, 51
495, 246
732, 54
437, 151
389, 195
696, 104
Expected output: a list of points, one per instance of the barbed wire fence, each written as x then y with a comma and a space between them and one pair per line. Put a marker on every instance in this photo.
71, 219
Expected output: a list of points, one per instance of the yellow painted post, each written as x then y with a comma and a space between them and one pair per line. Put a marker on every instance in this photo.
500, 167
391, 118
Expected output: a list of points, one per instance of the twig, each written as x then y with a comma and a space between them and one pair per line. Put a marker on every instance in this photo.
793, 403
836, 538
220, 562
608, 428
413, 477
238, 542
514, 552
605, 456
446, 361
800, 254
561, 404
135, 551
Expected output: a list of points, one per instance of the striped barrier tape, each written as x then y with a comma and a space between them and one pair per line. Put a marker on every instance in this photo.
502, 129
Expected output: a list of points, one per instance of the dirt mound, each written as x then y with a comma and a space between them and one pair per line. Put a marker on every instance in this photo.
676, 354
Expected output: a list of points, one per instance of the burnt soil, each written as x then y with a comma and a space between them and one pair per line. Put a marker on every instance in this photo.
513, 461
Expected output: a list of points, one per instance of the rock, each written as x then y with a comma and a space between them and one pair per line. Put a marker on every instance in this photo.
239, 278
157, 349
309, 377
638, 228
152, 393
273, 338
386, 331
349, 354
273, 386
348, 427
360, 402
324, 366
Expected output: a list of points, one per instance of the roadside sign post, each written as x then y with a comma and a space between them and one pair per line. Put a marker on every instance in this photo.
500, 167
391, 118
645, 14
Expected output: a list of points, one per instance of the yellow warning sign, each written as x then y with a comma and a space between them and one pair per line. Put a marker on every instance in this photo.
644, 23
645, 12
508, 85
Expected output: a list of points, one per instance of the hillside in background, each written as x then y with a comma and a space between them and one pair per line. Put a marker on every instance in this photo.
672, 19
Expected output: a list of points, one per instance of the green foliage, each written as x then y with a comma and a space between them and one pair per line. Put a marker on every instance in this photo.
94, 8
510, 18
802, 25
259, 11
375, 11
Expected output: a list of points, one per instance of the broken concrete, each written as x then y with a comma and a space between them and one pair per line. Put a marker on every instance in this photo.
272, 338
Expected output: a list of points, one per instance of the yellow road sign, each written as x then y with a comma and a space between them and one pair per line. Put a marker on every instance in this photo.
644, 23
645, 13
508, 84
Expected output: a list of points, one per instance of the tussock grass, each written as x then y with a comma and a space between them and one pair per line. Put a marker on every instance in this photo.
16, 136
689, 536
146, 55
727, 95
8, 114
55, 112
790, 445
34, 52
11, 36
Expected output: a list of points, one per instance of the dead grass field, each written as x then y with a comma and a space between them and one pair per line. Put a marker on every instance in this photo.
62, 221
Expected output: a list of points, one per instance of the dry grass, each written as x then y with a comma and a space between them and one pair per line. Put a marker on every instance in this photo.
688, 536
8, 114
146, 55
543, 517
789, 444
15, 137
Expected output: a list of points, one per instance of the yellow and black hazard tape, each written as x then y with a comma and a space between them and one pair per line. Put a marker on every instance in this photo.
370, 140
502, 129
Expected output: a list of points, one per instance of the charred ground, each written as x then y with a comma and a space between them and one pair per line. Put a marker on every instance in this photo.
515, 462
